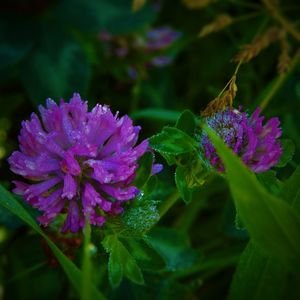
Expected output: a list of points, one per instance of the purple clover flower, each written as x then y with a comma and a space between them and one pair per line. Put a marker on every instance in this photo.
256, 144
78, 162
160, 38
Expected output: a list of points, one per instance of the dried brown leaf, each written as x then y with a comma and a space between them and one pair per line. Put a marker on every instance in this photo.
137, 4
222, 101
197, 4
259, 43
218, 24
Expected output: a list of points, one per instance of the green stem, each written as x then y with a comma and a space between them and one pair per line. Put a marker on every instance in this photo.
136, 92
188, 217
86, 264
168, 203
214, 184
26, 272
279, 82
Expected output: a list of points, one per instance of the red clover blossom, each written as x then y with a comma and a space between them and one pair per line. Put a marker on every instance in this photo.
79, 162
256, 144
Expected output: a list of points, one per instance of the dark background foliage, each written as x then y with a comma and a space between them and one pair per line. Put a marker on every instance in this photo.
51, 49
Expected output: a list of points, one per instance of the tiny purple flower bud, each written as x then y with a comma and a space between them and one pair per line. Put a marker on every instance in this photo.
156, 168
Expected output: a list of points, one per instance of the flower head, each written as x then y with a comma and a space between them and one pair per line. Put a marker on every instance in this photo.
257, 144
78, 162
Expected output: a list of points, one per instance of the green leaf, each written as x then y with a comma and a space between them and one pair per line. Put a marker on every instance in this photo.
16, 35
186, 122
57, 68
260, 276
121, 262
141, 217
150, 186
174, 247
186, 193
273, 225
8, 219
147, 258
288, 152
290, 191
156, 114
144, 170
173, 141
115, 267
129, 21
269, 180
73, 273
115, 16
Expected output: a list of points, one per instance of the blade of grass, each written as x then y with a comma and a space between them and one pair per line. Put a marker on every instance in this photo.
74, 275
270, 221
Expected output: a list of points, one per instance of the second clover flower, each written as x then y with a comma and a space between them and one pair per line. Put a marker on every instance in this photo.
257, 144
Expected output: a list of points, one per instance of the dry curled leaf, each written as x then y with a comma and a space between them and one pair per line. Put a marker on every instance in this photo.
137, 4
218, 24
259, 43
222, 101
197, 4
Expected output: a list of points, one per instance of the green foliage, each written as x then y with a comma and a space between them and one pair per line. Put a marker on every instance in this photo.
9, 219
186, 122
121, 262
61, 61
172, 141
182, 185
118, 17
15, 40
288, 152
262, 276
174, 248
142, 216
272, 224
290, 191
73, 273
156, 114
178, 146
188, 180
269, 180
147, 258
144, 170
